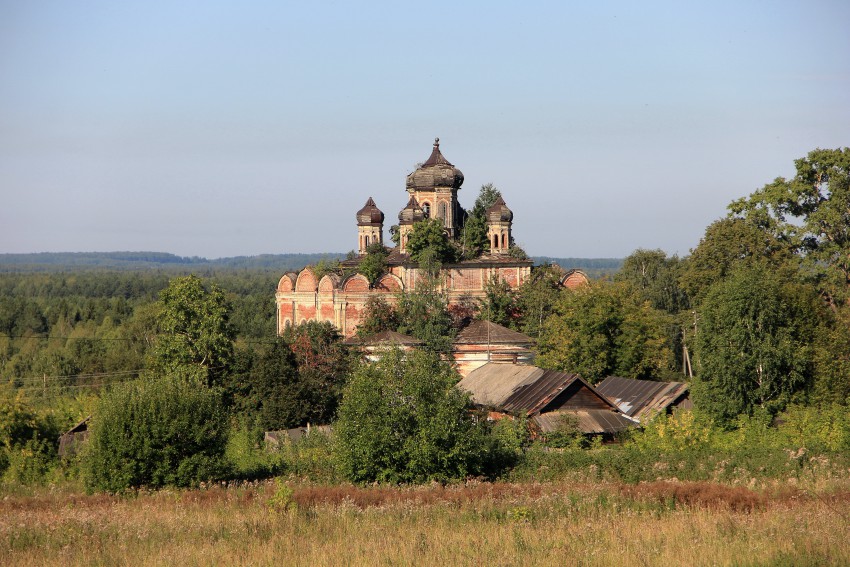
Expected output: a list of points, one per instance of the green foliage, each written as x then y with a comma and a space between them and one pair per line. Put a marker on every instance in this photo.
324, 267
808, 213
169, 431
512, 435
247, 457
29, 463
754, 344
313, 458
473, 236
378, 316
323, 366
536, 299
402, 420
603, 329
374, 264
424, 314
27, 440
655, 277
567, 434
428, 242
196, 331
499, 303
731, 244
281, 500
832, 358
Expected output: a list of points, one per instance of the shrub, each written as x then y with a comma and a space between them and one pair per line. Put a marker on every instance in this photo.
402, 420
167, 431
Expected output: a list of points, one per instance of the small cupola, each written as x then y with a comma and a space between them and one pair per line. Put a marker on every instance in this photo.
370, 226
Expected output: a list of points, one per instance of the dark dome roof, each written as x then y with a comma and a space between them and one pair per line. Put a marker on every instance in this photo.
437, 171
499, 212
370, 214
411, 213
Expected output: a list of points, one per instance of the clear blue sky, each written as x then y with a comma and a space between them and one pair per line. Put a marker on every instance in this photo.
221, 129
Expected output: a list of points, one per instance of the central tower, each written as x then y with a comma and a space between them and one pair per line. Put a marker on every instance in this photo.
434, 186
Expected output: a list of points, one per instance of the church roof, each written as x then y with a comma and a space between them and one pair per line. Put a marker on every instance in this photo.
412, 212
436, 157
437, 171
499, 211
370, 214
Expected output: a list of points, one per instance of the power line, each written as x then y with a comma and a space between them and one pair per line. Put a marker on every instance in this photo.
82, 375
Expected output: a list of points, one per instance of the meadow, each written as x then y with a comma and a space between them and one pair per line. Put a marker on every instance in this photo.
293, 522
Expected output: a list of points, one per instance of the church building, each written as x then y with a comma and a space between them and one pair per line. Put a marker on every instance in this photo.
431, 192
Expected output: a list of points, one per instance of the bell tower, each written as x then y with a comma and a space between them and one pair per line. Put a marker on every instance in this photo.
370, 226
499, 221
434, 185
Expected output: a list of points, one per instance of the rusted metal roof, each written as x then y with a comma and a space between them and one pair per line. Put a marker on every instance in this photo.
484, 332
642, 398
518, 388
592, 421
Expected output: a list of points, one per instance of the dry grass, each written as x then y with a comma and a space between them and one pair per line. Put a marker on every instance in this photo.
660, 523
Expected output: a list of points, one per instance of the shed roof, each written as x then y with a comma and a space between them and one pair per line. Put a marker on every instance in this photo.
519, 388
638, 398
483, 332
588, 421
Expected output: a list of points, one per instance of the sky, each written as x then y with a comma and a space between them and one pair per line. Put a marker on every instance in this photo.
220, 129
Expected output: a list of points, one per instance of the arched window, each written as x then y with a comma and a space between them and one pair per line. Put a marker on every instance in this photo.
367, 241
442, 212
504, 240
427, 208
495, 242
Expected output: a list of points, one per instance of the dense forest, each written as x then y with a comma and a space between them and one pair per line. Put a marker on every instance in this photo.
756, 319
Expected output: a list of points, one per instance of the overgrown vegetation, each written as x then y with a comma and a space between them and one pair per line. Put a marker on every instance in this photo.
182, 375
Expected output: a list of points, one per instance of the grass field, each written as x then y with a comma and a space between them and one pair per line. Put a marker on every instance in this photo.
277, 523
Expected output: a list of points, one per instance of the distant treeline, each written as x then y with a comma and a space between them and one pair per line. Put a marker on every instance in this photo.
594, 266
63, 261
67, 261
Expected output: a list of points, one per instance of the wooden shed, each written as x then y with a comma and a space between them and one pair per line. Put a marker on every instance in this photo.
545, 396
644, 399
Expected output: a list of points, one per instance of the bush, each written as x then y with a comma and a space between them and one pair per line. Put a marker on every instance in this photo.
248, 458
167, 431
402, 420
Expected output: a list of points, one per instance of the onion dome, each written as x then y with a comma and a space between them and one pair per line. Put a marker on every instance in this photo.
370, 214
411, 213
435, 172
499, 212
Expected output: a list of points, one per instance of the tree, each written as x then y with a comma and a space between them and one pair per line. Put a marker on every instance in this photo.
473, 237
323, 365
168, 431
809, 213
536, 299
428, 240
374, 264
378, 316
424, 313
499, 303
195, 330
655, 277
729, 244
754, 343
604, 329
402, 420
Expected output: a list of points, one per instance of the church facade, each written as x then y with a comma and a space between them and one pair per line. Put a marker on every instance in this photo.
432, 193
